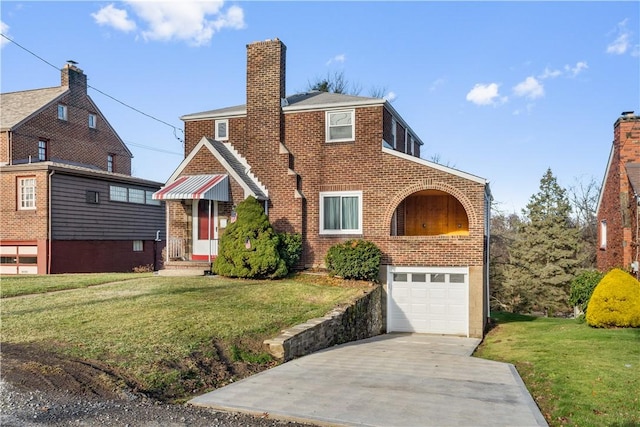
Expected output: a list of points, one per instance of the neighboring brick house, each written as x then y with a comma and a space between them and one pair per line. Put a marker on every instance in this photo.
617, 210
69, 203
334, 167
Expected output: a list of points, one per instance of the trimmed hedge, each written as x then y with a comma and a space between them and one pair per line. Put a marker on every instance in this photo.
354, 259
615, 301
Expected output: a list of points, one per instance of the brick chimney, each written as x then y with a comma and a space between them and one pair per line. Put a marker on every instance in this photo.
265, 91
74, 78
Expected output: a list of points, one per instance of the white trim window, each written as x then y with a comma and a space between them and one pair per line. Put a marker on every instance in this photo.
603, 234
27, 194
62, 112
341, 212
340, 125
222, 130
93, 119
118, 194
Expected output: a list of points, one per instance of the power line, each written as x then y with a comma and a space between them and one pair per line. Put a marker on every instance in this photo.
159, 150
175, 129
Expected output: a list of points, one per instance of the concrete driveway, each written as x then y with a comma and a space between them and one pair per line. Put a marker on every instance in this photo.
389, 380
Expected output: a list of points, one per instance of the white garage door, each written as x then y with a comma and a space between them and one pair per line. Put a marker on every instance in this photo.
428, 300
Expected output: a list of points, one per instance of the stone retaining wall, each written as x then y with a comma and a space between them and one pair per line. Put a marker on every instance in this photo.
360, 320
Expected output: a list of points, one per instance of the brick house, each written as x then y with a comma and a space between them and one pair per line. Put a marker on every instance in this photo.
334, 167
69, 203
617, 209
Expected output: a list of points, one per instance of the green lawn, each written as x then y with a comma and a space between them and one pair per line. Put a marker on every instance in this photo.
578, 375
11, 286
154, 328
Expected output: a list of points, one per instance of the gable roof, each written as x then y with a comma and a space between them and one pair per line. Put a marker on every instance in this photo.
20, 106
633, 173
234, 164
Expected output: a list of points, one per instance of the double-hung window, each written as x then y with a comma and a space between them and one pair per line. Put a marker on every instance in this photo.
341, 212
110, 162
42, 150
26, 193
222, 130
340, 125
603, 234
62, 112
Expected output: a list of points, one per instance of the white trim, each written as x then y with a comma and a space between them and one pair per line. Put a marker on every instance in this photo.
324, 194
27, 204
226, 129
63, 112
604, 179
603, 234
327, 125
93, 120
394, 133
433, 165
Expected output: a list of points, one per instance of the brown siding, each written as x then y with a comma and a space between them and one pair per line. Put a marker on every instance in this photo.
75, 219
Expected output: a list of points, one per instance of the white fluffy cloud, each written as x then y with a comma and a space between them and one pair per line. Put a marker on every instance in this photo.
116, 18
485, 94
391, 96
194, 22
4, 28
530, 88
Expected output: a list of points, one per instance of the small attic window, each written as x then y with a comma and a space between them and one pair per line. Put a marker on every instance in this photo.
222, 130
62, 112
92, 120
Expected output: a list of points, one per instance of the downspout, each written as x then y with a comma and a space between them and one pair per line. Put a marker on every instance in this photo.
167, 236
49, 216
487, 204
10, 147
209, 233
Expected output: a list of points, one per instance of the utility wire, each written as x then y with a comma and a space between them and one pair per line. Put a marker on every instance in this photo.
103, 93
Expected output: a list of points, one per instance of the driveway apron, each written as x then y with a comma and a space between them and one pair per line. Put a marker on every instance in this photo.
389, 380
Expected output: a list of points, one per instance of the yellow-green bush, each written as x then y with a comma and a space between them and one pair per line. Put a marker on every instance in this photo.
615, 301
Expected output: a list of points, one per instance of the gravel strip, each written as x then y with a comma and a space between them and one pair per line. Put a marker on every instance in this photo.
36, 408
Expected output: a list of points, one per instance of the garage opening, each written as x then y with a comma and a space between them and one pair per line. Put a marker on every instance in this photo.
430, 213
432, 300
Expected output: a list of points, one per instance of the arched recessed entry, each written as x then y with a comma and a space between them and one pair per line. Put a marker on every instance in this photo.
429, 213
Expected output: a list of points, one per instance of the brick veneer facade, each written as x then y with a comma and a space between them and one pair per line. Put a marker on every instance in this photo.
287, 151
617, 206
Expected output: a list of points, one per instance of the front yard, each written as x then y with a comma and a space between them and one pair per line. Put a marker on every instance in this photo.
163, 335
578, 375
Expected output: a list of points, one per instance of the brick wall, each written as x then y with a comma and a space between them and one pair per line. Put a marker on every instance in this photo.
71, 139
16, 224
617, 198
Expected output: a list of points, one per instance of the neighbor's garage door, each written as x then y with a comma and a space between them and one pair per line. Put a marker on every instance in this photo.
428, 300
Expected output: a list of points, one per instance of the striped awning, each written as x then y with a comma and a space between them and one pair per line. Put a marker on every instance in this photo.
207, 187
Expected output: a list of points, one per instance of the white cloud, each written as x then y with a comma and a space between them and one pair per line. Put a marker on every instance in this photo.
485, 94
4, 28
192, 21
577, 69
116, 18
622, 43
550, 74
530, 88
391, 96
338, 58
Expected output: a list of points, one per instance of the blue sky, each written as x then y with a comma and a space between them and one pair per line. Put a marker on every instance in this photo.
502, 90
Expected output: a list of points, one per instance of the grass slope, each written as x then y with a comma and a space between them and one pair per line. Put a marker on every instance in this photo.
150, 328
578, 375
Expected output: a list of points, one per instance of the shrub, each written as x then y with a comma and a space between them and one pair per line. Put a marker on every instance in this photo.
249, 246
582, 287
354, 259
290, 248
615, 301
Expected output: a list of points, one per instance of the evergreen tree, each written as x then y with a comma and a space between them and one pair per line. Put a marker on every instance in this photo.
249, 247
543, 259
504, 232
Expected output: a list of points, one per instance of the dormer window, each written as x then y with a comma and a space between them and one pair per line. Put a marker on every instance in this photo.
92, 120
62, 112
222, 130
340, 125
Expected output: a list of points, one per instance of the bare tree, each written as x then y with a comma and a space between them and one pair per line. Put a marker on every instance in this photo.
583, 195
